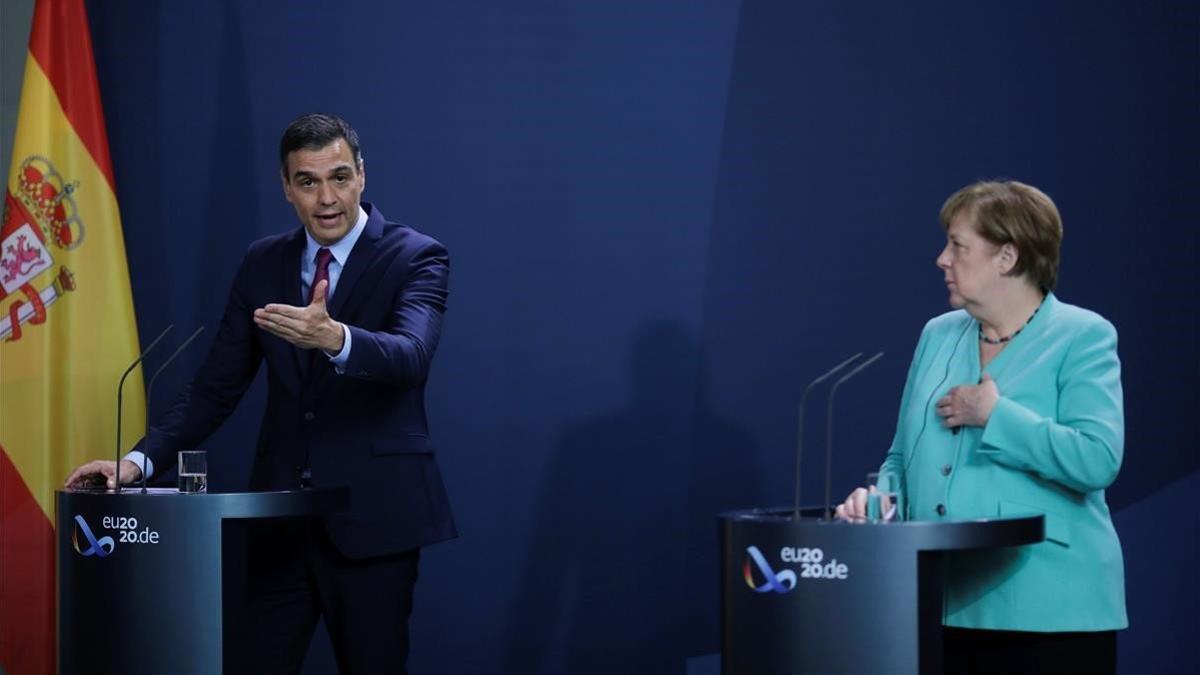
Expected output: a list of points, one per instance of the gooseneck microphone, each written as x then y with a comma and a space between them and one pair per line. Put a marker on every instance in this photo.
800, 422
120, 399
829, 432
150, 389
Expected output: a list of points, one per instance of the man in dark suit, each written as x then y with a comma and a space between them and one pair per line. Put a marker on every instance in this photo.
346, 312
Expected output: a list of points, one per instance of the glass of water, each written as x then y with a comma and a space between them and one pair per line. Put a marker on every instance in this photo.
193, 471
885, 499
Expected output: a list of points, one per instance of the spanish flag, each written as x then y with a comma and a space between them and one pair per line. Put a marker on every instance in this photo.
67, 327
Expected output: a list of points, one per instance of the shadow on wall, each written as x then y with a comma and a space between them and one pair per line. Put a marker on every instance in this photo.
622, 572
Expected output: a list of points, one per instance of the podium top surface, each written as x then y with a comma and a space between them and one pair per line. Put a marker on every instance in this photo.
917, 534
276, 504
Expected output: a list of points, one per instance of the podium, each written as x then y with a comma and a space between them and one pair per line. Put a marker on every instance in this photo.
139, 575
805, 595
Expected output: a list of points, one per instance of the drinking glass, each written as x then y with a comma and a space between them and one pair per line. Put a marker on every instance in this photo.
885, 502
193, 471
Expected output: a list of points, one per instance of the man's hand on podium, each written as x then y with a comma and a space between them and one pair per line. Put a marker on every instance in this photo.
101, 472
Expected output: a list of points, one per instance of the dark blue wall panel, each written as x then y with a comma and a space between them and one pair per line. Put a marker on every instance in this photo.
663, 218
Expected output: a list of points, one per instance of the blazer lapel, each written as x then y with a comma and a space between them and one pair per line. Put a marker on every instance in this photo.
318, 369
291, 291
360, 259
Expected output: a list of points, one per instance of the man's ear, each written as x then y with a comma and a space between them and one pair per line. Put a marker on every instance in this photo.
287, 187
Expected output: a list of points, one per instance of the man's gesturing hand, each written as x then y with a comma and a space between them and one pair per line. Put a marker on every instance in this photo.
306, 327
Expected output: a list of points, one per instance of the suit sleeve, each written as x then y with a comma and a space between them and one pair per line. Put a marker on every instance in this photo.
401, 353
215, 390
1081, 447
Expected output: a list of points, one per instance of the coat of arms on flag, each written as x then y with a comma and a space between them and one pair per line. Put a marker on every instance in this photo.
43, 214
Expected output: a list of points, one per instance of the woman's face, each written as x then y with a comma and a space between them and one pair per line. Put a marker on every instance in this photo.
973, 266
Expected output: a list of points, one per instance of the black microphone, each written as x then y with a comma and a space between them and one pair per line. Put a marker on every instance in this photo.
800, 423
829, 432
150, 388
120, 400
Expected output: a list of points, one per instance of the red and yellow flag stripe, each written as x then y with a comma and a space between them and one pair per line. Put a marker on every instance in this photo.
67, 326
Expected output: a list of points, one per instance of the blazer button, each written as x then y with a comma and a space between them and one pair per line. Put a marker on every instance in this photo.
309, 416
946, 468
941, 509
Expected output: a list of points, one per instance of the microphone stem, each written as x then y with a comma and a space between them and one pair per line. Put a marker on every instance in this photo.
121, 400
800, 422
150, 389
829, 432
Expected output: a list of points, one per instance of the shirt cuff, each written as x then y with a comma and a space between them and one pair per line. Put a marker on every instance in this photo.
339, 360
138, 457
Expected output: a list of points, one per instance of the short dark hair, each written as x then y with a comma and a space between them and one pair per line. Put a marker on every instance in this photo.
1009, 212
315, 131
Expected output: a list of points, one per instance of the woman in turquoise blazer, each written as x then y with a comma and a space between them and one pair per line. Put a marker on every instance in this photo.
1013, 405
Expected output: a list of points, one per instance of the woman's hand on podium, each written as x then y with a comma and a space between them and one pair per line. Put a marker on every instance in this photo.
855, 510
101, 472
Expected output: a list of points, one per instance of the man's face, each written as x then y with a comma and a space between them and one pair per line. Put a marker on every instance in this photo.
325, 186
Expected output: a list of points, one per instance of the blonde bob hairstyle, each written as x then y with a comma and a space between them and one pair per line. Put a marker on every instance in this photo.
1009, 212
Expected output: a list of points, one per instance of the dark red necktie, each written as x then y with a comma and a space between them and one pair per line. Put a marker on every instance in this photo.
323, 258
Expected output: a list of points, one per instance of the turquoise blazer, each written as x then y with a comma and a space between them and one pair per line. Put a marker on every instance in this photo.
1053, 443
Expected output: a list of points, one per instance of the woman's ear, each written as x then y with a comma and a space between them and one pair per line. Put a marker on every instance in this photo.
1007, 257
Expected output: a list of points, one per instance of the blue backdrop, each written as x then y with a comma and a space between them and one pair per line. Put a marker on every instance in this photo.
664, 217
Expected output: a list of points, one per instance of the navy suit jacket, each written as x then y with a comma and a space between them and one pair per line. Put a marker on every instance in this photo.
365, 428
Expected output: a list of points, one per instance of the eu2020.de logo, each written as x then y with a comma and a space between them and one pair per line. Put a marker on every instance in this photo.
808, 559
90, 545
126, 529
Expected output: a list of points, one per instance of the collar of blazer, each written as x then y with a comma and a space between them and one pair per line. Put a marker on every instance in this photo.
360, 258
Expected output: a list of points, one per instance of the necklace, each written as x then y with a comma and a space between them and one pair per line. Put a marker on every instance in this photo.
1007, 338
